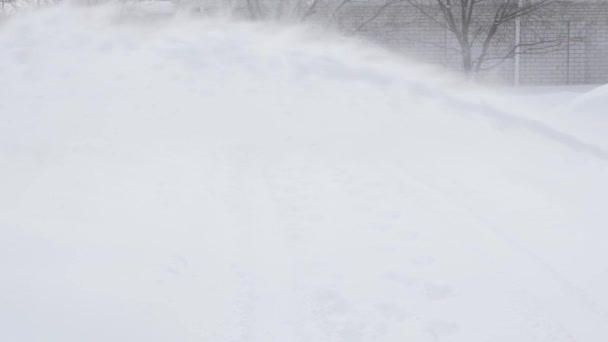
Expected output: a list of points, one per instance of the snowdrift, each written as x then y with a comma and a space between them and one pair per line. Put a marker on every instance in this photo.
594, 101
591, 115
209, 180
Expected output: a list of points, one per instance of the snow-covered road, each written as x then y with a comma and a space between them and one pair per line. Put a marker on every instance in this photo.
209, 180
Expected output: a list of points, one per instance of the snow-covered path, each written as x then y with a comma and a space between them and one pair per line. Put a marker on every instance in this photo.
217, 181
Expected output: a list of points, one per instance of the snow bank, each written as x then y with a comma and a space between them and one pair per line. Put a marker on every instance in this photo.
594, 101
588, 116
218, 181
578, 110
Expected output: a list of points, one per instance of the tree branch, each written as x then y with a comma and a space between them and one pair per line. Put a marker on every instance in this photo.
376, 15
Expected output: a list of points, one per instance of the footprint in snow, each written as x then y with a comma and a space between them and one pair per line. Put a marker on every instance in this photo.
440, 329
177, 266
437, 292
424, 261
392, 311
401, 279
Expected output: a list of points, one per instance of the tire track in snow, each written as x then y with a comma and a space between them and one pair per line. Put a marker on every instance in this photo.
266, 264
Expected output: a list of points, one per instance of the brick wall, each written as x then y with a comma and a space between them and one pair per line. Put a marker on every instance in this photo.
580, 27
579, 31
595, 54
583, 57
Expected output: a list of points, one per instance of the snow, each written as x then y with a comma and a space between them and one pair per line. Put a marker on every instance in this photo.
593, 101
576, 110
211, 180
591, 108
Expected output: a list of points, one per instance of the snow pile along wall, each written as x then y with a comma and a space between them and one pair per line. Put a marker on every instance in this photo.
218, 181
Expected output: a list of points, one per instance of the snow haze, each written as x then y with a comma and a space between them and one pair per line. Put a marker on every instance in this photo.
195, 179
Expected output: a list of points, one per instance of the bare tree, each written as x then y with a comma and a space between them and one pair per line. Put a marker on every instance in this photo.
280, 9
478, 22
476, 25
7, 6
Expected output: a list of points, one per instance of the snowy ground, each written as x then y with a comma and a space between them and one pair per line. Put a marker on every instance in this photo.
192, 180
577, 110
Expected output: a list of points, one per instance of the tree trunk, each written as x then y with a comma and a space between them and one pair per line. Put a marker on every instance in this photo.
467, 60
